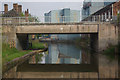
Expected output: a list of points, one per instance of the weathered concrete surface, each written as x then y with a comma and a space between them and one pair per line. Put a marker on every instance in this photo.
9, 34
20, 41
58, 75
102, 34
107, 35
107, 68
55, 28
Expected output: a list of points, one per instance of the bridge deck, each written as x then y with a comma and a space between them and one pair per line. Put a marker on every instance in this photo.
58, 28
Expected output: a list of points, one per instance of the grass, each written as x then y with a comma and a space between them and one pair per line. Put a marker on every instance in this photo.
37, 45
9, 54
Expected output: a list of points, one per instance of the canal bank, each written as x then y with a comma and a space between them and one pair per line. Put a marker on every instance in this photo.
11, 56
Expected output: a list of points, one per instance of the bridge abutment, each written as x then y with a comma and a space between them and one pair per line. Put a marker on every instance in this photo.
19, 41
9, 35
107, 36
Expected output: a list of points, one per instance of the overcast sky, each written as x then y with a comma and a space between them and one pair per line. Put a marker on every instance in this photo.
39, 8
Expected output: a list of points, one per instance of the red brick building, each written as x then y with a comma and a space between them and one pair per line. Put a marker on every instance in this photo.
107, 13
14, 15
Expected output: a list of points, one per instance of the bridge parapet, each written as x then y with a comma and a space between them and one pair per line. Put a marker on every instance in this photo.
58, 28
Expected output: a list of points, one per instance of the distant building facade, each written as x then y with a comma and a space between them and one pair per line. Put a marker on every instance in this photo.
107, 13
90, 7
63, 16
52, 17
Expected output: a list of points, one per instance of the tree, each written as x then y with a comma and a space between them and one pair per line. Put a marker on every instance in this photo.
33, 18
22, 14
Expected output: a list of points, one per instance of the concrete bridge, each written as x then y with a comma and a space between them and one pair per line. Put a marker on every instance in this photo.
102, 34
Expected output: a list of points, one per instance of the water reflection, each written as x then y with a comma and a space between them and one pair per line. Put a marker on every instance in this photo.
61, 54
68, 61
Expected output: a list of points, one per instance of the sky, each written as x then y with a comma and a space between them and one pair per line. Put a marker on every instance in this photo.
39, 8
41, 0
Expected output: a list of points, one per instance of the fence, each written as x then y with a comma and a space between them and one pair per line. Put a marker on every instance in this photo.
48, 19
101, 18
63, 19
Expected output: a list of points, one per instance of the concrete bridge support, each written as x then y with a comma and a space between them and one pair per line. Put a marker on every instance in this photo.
107, 35
20, 41
9, 35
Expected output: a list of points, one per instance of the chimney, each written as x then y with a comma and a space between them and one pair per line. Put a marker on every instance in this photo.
6, 8
27, 12
26, 15
19, 8
15, 7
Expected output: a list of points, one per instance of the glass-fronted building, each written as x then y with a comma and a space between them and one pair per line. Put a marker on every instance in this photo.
62, 16
65, 15
92, 6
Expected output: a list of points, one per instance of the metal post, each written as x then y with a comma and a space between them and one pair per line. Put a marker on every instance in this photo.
99, 17
102, 17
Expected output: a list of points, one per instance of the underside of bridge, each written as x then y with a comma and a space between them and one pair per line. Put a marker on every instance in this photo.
94, 43
22, 41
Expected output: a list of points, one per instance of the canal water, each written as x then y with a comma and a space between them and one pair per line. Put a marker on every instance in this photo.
63, 60
61, 53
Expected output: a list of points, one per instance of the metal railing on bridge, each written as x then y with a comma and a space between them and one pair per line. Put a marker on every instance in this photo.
63, 19
31, 20
102, 18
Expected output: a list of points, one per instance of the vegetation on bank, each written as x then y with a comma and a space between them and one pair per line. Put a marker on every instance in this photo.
12, 54
9, 54
111, 52
33, 18
37, 45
